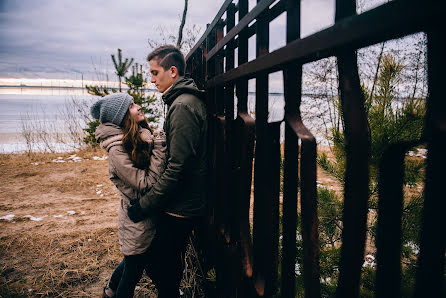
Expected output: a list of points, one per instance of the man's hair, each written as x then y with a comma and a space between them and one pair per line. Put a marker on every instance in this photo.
167, 56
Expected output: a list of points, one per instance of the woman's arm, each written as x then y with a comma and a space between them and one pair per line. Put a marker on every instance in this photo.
121, 164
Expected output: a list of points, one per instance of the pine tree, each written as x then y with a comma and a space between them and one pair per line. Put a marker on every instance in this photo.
121, 67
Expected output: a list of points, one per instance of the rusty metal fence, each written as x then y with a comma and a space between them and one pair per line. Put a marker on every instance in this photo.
245, 259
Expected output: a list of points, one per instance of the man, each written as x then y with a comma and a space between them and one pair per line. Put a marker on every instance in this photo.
179, 194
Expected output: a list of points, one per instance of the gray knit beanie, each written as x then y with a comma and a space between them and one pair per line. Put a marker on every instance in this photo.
111, 108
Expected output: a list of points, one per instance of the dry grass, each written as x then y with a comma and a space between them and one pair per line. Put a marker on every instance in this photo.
73, 249
56, 264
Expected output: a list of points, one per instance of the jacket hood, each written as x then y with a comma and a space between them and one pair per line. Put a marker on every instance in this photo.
182, 85
107, 130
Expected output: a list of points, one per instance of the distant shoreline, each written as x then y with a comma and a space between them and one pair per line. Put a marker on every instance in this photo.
63, 87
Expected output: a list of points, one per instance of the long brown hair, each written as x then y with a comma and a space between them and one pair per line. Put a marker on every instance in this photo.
137, 149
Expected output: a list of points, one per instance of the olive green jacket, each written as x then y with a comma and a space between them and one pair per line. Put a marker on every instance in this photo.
181, 189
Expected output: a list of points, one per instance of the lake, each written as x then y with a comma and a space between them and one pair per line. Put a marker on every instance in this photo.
47, 108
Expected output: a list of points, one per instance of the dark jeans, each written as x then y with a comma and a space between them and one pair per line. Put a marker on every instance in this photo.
166, 253
125, 277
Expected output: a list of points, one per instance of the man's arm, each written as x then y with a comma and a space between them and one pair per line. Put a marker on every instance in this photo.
184, 138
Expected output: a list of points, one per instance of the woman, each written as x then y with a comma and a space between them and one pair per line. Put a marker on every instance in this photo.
136, 160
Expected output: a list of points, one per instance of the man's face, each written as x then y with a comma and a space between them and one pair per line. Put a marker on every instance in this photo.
162, 79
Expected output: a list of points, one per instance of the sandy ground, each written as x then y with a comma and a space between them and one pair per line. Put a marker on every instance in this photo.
58, 230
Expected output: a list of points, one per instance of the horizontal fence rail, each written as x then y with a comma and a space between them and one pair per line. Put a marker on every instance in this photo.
246, 156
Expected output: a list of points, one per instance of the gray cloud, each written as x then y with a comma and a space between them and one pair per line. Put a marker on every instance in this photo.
65, 35
49, 38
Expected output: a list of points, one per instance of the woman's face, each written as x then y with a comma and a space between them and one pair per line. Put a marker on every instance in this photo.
135, 112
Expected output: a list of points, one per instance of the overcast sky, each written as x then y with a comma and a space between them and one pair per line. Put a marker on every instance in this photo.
62, 39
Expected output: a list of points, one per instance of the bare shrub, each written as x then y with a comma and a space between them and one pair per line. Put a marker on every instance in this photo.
76, 113
62, 131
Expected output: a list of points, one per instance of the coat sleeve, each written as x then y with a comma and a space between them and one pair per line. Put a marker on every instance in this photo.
184, 136
123, 167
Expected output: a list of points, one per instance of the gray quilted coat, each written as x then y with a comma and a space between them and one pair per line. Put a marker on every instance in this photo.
134, 238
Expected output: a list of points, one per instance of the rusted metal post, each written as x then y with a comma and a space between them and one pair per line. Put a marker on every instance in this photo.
357, 149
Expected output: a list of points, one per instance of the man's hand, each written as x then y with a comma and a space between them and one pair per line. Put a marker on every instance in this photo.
135, 212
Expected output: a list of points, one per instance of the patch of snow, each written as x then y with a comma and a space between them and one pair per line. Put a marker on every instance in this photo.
414, 247
298, 236
99, 192
99, 185
58, 216
369, 261
297, 268
422, 151
104, 157
58, 160
71, 212
34, 218
326, 280
8, 217
35, 163
75, 158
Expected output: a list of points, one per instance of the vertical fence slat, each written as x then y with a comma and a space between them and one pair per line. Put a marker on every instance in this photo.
266, 179
390, 209
244, 135
224, 280
357, 149
209, 72
310, 234
214, 216
289, 226
229, 117
242, 85
230, 238
292, 78
295, 129
430, 274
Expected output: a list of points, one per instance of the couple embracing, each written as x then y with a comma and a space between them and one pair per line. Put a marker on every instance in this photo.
161, 175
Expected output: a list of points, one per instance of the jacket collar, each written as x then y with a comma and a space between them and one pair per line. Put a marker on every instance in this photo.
181, 86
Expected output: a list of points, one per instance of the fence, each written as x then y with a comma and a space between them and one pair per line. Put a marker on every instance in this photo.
246, 260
